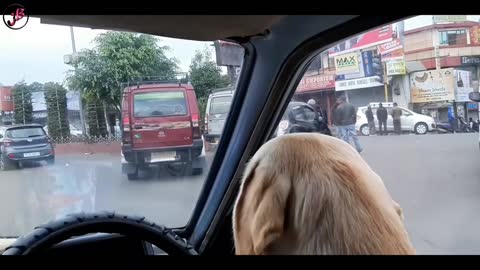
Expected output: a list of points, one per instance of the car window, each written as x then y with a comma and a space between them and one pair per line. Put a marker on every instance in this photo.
406, 113
160, 104
19, 133
125, 116
220, 105
406, 62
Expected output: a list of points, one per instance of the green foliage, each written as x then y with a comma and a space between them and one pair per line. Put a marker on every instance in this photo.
97, 126
119, 57
22, 100
57, 114
205, 75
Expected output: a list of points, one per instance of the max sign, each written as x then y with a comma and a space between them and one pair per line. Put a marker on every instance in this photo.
346, 63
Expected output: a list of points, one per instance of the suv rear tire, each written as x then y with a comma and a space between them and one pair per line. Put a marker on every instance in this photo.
134, 175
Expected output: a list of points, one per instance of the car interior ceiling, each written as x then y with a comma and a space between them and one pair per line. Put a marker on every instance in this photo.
216, 237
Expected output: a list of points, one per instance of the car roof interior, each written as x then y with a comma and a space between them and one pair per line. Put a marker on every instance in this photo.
241, 29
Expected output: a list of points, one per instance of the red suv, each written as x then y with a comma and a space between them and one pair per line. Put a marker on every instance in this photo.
160, 125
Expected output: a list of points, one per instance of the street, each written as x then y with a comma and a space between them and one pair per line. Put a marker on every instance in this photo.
435, 178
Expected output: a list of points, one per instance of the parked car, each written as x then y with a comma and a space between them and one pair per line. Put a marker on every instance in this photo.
411, 121
160, 125
216, 113
301, 117
73, 130
20, 143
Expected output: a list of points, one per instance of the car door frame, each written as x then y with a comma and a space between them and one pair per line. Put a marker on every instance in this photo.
272, 69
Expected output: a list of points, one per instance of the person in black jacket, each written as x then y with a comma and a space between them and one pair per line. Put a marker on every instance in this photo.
345, 116
370, 119
382, 116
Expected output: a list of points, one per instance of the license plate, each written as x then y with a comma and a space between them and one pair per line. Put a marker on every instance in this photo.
164, 156
34, 154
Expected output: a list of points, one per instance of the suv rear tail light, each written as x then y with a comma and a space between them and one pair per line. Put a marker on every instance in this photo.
126, 120
196, 128
11, 155
195, 120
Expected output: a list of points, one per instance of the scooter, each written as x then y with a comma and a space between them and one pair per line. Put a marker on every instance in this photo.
446, 127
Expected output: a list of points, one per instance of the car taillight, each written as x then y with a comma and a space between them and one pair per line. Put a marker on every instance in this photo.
11, 155
196, 128
206, 123
126, 120
195, 120
7, 142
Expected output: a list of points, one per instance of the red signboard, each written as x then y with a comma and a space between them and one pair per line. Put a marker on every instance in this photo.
362, 41
6, 102
389, 46
316, 82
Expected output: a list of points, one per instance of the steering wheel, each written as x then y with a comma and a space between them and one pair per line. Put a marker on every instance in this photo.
47, 235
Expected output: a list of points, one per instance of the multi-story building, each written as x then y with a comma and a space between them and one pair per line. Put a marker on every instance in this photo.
442, 49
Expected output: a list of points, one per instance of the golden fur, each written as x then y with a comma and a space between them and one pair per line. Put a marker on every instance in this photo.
314, 194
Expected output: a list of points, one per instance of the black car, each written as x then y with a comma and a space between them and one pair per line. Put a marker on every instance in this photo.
301, 117
20, 143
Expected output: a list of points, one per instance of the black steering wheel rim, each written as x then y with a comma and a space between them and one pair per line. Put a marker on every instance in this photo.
51, 233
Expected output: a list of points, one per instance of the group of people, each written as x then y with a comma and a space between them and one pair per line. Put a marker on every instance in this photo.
344, 117
382, 116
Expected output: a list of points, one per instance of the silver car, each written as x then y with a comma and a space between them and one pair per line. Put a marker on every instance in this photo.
216, 112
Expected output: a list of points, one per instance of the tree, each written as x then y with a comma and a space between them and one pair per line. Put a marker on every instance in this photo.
119, 57
57, 114
97, 126
205, 75
22, 101
36, 87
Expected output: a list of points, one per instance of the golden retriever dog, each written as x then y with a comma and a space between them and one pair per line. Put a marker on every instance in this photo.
313, 194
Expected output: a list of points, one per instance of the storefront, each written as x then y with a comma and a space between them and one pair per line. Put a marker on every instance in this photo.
321, 88
433, 92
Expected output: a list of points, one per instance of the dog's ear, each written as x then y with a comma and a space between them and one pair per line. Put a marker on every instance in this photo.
271, 193
398, 209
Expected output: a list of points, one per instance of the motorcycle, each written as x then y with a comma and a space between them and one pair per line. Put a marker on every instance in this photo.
446, 127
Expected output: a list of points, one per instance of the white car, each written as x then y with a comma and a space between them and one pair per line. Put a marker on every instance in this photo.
410, 121
73, 130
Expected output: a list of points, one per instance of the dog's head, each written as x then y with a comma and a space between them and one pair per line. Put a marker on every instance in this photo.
313, 194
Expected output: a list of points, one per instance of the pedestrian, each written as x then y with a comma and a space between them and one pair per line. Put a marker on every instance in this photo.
345, 114
322, 125
396, 115
382, 116
371, 120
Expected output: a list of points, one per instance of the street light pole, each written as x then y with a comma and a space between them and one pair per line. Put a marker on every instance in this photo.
80, 102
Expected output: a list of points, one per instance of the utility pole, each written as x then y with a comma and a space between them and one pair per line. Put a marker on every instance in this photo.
80, 102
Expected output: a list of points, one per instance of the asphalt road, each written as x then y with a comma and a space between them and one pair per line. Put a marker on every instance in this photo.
435, 178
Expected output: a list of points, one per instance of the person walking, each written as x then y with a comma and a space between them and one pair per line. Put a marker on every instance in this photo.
371, 120
382, 116
322, 125
345, 115
397, 115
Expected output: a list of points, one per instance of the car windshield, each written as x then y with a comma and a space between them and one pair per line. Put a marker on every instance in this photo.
220, 105
142, 152
18, 133
170, 103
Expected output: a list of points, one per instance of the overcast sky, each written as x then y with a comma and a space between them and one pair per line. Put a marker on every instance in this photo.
35, 52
